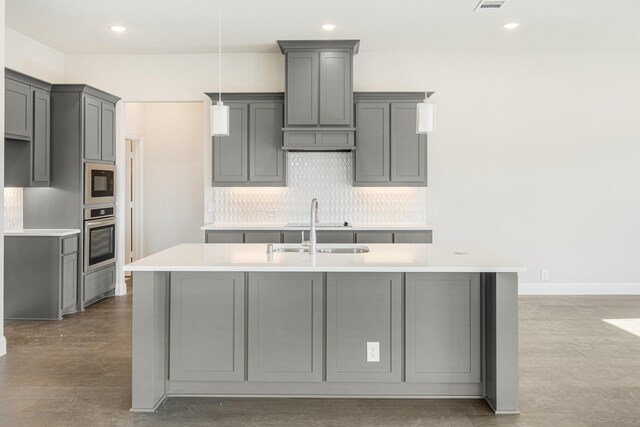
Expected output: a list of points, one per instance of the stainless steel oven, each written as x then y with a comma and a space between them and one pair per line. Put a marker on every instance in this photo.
99, 183
99, 238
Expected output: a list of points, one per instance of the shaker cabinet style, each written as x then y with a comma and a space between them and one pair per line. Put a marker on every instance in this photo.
98, 129
363, 310
251, 155
207, 327
42, 289
285, 327
388, 152
27, 131
443, 324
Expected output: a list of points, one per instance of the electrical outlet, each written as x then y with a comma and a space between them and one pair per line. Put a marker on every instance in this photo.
544, 274
373, 351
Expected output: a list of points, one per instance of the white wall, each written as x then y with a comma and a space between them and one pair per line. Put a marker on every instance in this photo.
172, 171
31, 57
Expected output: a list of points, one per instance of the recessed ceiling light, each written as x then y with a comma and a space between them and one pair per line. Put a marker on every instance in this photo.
328, 27
511, 25
118, 28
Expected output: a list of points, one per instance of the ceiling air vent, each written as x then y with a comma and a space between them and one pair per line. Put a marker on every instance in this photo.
490, 5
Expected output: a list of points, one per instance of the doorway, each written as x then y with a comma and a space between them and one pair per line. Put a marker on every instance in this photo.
133, 199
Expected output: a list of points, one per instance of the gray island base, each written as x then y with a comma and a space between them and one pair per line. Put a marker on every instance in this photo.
402, 321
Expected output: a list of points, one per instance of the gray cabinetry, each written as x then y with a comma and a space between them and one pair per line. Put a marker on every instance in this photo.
413, 236
321, 236
285, 327
443, 327
42, 289
207, 327
325, 140
262, 237
336, 93
364, 308
408, 149
251, 155
388, 152
302, 88
98, 284
17, 112
374, 237
224, 237
98, 129
27, 131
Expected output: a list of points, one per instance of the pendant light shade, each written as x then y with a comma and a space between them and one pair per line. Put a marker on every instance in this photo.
424, 117
219, 119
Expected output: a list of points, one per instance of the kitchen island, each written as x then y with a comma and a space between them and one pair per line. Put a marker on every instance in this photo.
399, 321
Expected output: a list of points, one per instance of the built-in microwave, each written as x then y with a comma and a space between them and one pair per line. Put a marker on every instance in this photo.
99, 183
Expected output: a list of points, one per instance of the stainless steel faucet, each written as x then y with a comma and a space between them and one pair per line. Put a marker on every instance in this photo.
313, 248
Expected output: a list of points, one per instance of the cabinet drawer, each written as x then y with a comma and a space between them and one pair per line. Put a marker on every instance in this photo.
319, 141
335, 139
322, 236
224, 237
374, 237
413, 237
262, 237
99, 282
70, 245
300, 139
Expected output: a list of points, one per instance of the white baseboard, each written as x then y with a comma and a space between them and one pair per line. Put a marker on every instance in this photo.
121, 289
3, 346
579, 289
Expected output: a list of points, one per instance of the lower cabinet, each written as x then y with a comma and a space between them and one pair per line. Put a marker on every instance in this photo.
98, 284
46, 289
364, 309
224, 237
413, 236
207, 327
321, 236
262, 237
443, 324
285, 330
374, 237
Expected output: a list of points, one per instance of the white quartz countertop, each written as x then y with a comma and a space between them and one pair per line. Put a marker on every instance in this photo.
381, 258
44, 232
353, 226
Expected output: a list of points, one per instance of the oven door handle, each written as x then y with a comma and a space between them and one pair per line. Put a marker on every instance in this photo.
99, 223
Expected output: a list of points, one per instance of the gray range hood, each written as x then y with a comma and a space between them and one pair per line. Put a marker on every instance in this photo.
319, 94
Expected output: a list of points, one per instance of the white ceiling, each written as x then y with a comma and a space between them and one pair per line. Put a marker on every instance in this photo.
190, 26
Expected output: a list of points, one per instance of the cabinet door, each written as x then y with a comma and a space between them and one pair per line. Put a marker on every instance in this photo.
372, 142
17, 110
302, 88
92, 132
266, 158
408, 149
262, 237
108, 132
414, 236
443, 327
336, 98
207, 327
69, 277
374, 237
230, 153
285, 327
364, 308
321, 236
224, 237
41, 145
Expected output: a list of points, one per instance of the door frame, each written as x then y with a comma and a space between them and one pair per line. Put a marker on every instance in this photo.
138, 190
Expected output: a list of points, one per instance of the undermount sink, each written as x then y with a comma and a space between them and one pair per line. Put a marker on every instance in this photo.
322, 249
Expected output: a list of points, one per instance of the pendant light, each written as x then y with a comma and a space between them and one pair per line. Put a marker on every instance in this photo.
424, 110
219, 111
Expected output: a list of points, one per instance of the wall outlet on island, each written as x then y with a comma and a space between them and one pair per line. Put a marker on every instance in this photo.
544, 274
373, 351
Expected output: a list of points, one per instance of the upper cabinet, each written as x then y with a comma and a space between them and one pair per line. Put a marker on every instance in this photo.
251, 156
99, 129
319, 94
90, 113
389, 152
27, 131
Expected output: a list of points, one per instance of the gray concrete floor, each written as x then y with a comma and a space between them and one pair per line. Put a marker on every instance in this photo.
575, 370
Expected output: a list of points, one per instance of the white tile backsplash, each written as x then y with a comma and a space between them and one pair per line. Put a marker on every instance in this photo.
13, 209
326, 176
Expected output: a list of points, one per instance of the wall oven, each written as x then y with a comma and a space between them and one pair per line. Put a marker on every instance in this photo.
99, 238
99, 183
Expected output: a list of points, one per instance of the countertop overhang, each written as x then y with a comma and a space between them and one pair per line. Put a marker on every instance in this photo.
407, 258
42, 232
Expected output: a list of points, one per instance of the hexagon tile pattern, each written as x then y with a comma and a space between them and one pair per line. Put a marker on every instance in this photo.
326, 176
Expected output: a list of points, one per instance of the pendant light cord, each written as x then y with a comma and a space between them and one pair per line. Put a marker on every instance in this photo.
220, 55
426, 44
